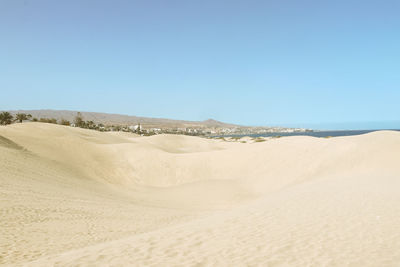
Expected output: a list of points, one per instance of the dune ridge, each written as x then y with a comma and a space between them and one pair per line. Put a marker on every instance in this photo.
72, 196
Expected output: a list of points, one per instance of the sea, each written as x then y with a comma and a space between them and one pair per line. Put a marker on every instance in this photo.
314, 133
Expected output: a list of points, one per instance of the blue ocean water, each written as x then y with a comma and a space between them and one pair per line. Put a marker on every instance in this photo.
315, 133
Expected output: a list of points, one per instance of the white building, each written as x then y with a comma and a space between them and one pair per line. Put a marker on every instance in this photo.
135, 127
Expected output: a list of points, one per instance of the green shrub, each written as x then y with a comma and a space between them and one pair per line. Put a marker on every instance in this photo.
65, 122
51, 120
22, 117
5, 118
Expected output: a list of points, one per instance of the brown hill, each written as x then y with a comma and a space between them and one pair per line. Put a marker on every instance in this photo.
119, 119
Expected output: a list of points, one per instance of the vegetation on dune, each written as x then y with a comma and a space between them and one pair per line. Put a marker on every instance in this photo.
22, 117
8, 118
46, 120
79, 122
5, 118
65, 122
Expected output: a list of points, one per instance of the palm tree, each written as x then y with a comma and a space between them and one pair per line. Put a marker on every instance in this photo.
5, 118
22, 117
79, 122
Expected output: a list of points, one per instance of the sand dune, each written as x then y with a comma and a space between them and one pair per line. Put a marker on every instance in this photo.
72, 196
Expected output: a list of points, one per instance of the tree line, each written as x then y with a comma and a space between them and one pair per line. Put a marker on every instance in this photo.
7, 118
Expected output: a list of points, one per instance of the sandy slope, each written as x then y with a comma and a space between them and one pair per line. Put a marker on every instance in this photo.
70, 196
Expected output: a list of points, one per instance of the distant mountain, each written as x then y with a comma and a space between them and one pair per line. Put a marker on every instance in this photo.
118, 119
215, 123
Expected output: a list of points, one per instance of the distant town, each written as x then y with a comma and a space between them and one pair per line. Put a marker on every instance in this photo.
147, 127
206, 131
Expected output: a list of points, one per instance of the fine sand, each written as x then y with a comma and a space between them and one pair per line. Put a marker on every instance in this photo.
70, 197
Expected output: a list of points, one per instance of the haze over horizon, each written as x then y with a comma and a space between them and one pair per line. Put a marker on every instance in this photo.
297, 64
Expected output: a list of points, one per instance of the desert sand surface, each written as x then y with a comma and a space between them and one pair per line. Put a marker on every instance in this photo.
76, 197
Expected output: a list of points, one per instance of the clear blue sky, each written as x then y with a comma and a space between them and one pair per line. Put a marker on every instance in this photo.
330, 64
